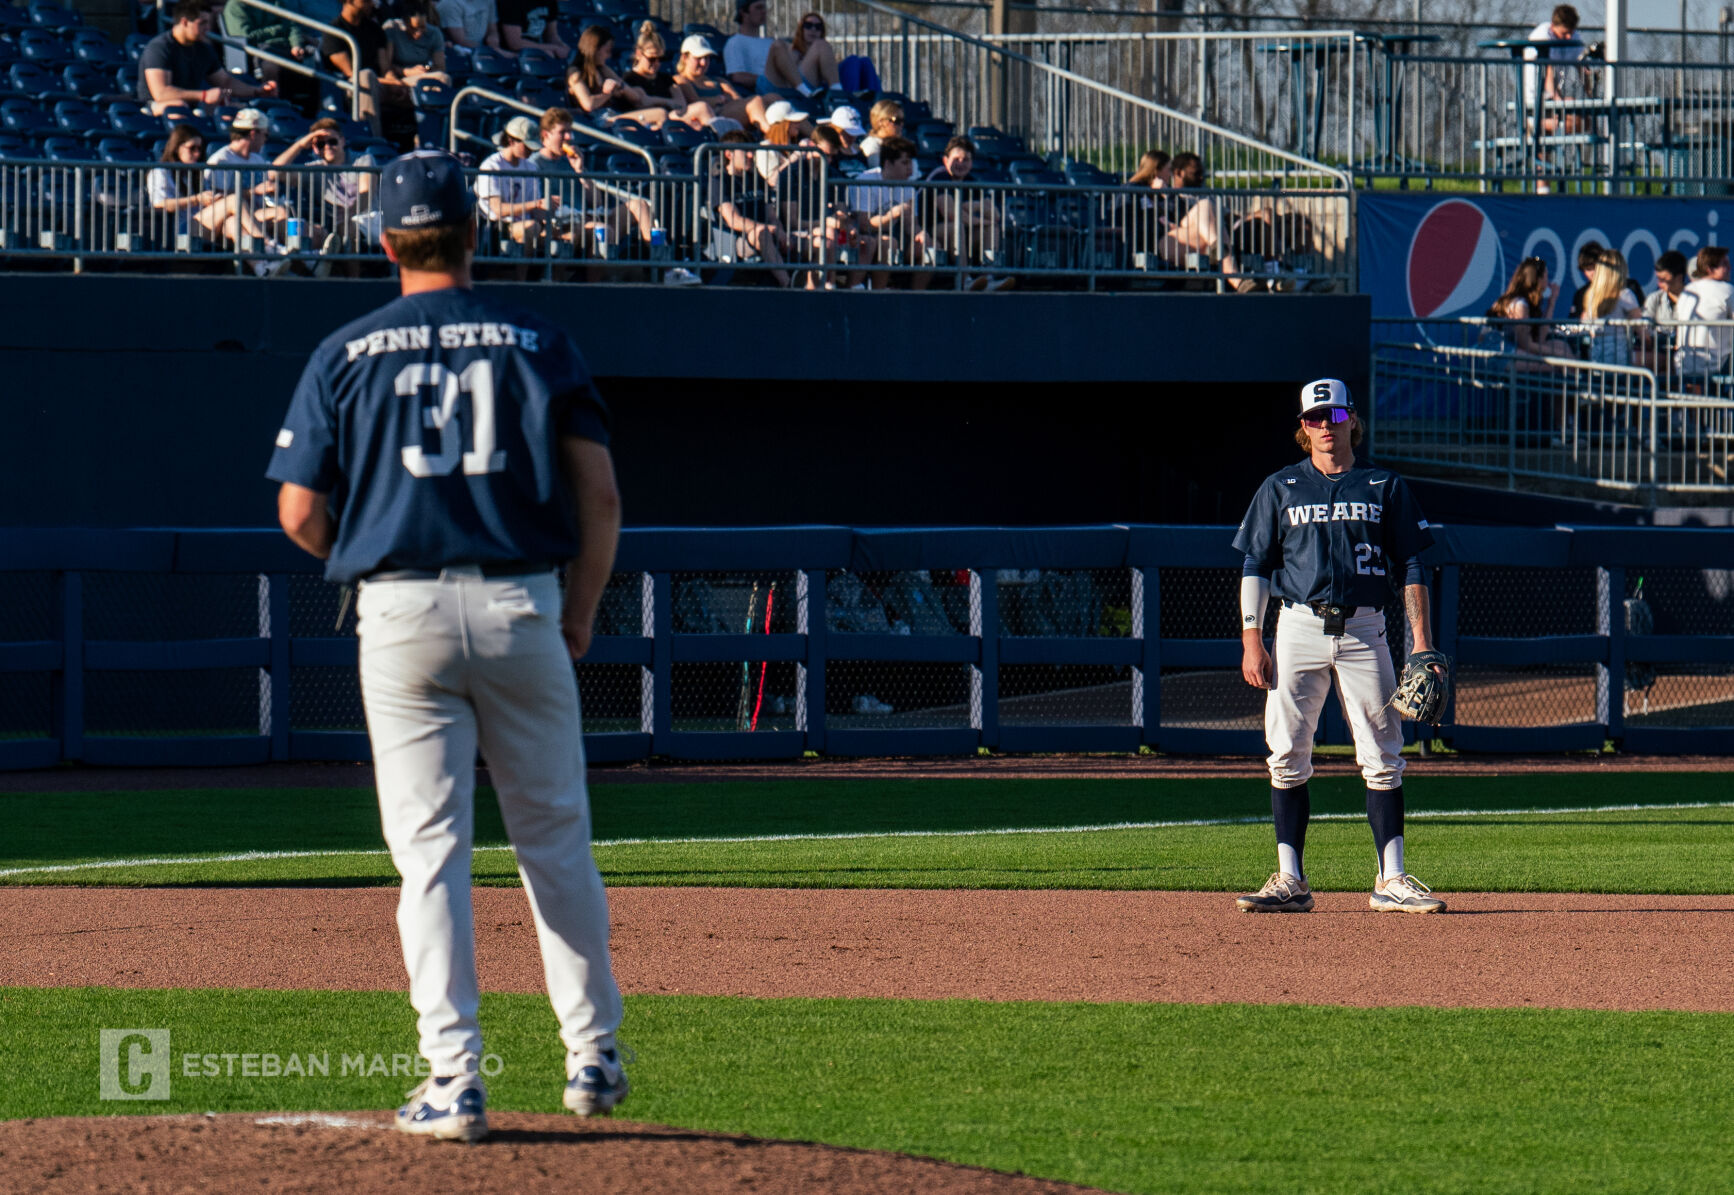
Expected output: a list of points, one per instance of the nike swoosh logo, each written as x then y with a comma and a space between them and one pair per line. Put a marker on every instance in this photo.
1381, 481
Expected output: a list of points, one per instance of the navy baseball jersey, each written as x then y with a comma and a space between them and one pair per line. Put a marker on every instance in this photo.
433, 426
1347, 540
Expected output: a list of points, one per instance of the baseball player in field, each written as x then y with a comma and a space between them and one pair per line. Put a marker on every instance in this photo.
1329, 538
448, 453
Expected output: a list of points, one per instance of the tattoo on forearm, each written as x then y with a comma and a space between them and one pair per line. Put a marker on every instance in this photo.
1415, 606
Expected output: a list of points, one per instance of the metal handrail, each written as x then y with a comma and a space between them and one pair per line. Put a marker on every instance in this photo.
1126, 97
349, 85
583, 130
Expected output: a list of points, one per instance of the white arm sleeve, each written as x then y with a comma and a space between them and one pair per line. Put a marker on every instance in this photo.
1254, 597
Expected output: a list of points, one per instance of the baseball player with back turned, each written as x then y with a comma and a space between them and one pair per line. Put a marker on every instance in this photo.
1329, 537
448, 453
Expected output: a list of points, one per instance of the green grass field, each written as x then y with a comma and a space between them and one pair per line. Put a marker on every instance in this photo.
1129, 1097
1141, 1098
929, 834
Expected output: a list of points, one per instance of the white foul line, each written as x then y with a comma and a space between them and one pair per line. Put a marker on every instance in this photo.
1413, 815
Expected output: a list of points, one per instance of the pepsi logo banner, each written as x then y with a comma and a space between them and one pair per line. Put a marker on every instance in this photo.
1433, 256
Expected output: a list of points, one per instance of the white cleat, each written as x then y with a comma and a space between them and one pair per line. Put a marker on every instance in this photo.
1282, 893
595, 1081
453, 1109
1404, 894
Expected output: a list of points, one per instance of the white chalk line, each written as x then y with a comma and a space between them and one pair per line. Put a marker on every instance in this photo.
1413, 815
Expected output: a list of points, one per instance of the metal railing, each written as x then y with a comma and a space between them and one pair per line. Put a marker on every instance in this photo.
1663, 426
829, 229
457, 135
338, 81
1052, 110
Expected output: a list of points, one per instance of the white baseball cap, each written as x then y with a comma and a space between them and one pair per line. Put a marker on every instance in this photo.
697, 47
248, 119
1326, 392
846, 120
520, 128
783, 110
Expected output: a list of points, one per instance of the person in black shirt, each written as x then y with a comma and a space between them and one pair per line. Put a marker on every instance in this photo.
530, 25
181, 66
381, 86
1587, 258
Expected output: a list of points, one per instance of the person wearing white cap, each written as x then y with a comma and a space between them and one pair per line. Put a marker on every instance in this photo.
509, 188
778, 111
693, 79
595, 90
848, 122
261, 217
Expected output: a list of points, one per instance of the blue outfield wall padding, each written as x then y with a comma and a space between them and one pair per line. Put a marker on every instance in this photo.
1186, 740
1531, 547
57, 548
329, 745
163, 655
1077, 650
241, 550
1680, 649
713, 649
1050, 739
896, 549
915, 741
1190, 547
18, 755
1679, 740
1525, 740
700, 549
189, 752
616, 747
735, 744
43, 655
324, 651
621, 649
905, 649
1636, 547
1522, 653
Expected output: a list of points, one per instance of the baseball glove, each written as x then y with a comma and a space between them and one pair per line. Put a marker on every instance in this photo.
1421, 693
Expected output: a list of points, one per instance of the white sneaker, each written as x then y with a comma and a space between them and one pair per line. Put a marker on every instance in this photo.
1282, 893
1404, 894
680, 277
595, 1080
449, 1109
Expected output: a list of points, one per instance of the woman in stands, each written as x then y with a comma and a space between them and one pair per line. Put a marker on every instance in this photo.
174, 187
884, 121
1609, 298
808, 63
1154, 173
599, 92
1529, 296
696, 85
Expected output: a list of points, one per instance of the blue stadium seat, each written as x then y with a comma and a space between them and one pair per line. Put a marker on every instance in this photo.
44, 46
212, 140
637, 134
492, 64
29, 78
126, 78
716, 37
991, 143
69, 149
623, 9
538, 65
537, 93
8, 53
1086, 174
12, 18
675, 161
134, 45
123, 153
23, 116
289, 126
1036, 172
136, 124
86, 80
433, 106
989, 173
13, 145
114, 142
684, 136
79, 119
269, 106
53, 16
621, 162
378, 147
930, 137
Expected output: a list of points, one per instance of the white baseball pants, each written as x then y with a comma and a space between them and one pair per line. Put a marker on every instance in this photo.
1306, 659
446, 666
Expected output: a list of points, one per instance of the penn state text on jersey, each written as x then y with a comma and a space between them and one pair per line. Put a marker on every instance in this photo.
433, 426
1342, 540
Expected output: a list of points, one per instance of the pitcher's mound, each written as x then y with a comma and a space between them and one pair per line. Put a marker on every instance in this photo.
343, 1153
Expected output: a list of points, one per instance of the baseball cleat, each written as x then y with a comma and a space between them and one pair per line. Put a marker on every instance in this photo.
1282, 893
595, 1081
1404, 894
448, 1108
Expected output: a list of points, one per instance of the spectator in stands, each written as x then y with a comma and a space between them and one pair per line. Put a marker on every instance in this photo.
806, 64
745, 54
469, 25
381, 87
1155, 173
738, 203
839, 162
1708, 298
179, 189
884, 120
418, 48
181, 66
1660, 306
531, 25
847, 122
331, 203
1551, 84
692, 78
597, 91
1608, 299
1194, 223
281, 36
1528, 296
967, 227
647, 85
781, 111
1588, 258
509, 189
886, 212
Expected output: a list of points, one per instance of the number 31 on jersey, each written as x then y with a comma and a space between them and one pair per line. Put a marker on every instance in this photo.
477, 381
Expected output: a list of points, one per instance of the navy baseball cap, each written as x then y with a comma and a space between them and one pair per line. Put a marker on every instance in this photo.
422, 189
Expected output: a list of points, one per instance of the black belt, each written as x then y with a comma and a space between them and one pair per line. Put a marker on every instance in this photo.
490, 569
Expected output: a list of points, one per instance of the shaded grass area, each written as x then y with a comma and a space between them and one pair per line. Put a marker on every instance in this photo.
1136, 1098
1647, 850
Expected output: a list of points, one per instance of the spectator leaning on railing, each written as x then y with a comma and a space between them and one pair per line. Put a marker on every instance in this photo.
887, 212
1709, 297
182, 66
967, 227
